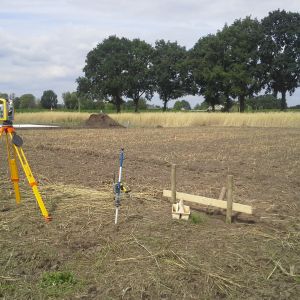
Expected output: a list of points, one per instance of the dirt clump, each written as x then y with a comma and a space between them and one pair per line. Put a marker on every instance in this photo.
102, 120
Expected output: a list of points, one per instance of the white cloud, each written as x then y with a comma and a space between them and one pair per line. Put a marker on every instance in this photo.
44, 42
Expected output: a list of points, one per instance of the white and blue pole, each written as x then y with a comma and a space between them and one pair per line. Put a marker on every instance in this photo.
118, 186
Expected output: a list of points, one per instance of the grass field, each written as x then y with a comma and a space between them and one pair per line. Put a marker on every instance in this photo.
170, 119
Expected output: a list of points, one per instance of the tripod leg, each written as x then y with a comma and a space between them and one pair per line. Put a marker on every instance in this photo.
31, 180
15, 178
14, 175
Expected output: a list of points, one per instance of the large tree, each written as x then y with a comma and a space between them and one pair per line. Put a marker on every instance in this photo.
140, 73
106, 71
49, 99
169, 72
280, 52
209, 65
226, 65
244, 70
71, 100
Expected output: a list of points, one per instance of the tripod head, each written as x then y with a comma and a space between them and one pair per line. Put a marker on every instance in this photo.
6, 112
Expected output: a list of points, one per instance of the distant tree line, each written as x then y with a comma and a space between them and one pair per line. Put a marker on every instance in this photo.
237, 63
29, 101
235, 66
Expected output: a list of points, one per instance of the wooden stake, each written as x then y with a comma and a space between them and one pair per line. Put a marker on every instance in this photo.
229, 199
173, 183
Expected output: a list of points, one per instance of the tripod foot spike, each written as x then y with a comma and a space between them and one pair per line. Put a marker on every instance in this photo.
48, 219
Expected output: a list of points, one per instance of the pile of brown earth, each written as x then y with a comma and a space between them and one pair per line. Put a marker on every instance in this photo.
101, 121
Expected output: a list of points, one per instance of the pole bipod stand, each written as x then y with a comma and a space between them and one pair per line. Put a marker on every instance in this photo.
14, 151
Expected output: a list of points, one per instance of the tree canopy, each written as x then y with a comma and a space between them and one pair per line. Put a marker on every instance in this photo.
168, 69
237, 63
280, 52
209, 68
49, 99
226, 64
182, 105
4, 96
106, 71
27, 101
264, 102
71, 100
242, 41
140, 72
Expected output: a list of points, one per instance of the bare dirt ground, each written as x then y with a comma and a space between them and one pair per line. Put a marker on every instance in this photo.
81, 254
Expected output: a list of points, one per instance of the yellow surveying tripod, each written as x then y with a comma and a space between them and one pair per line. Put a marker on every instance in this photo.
14, 150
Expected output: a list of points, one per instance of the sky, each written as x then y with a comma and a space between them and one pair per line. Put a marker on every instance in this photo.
44, 43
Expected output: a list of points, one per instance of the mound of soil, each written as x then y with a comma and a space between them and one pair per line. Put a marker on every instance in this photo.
102, 121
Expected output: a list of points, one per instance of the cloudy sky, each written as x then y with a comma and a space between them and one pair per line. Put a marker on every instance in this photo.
44, 42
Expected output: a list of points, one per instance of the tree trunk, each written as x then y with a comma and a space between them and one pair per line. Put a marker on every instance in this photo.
213, 108
165, 105
136, 105
283, 104
118, 103
242, 103
227, 104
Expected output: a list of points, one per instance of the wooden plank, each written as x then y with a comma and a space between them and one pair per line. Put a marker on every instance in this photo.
210, 201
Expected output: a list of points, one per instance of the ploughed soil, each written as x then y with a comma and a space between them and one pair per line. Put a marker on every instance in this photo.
81, 254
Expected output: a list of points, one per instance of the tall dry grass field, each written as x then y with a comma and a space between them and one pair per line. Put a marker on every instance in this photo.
195, 119
170, 119
51, 117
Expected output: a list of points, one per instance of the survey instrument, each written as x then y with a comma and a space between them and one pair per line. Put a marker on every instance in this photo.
15, 152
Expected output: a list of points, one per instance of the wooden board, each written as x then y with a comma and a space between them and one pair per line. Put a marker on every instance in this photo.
210, 201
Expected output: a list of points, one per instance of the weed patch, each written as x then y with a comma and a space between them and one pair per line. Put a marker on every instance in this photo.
58, 283
197, 218
6, 289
